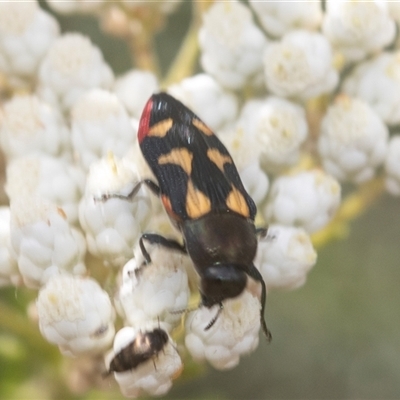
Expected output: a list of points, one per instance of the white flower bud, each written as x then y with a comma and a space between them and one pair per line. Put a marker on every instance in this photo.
43, 241
308, 200
392, 166
113, 226
30, 126
9, 274
358, 28
280, 17
353, 140
152, 292
134, 89
99, 125
300, 66
76, 6
204, 96
76, 314
154, 376
285, 256
377, 82
231, 45
234, 333
26, 33
51, 178
72, 66
279, 128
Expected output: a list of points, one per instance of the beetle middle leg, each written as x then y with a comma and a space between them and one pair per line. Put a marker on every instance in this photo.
154, 188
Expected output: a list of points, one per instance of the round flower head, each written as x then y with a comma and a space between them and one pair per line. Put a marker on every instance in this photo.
152, 292
76, 314
43, 241
26, 33
358, 28
278, 18
9, 274
308, 200
100, 124
231, 45
30, 126
300, 66
353, 140
285, 257
51, 178
134, 88
113, 226
279, 128
234, 333
205, 96
153, 376
76, 6
377, 82
392, 166
72, 66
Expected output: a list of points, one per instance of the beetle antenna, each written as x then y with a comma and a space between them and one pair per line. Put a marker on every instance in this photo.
212, 322
255, 274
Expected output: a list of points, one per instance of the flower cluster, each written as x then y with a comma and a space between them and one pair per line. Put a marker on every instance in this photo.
271, 88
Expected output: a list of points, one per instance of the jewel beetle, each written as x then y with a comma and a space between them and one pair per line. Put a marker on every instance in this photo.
202, 193
144, 347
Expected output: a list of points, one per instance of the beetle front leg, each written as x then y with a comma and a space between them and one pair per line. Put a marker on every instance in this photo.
154, 188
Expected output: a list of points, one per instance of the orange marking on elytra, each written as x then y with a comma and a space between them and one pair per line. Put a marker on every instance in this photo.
180, 156
218, 159
197, 203
160, 129
202, 127
237, 203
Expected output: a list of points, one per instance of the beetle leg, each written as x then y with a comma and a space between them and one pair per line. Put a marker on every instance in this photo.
261, 232
154, 238
148, 182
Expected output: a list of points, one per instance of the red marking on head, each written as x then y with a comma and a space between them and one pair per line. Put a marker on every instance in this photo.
144, 124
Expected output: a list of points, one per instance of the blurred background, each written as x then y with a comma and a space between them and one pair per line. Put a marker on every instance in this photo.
336, 337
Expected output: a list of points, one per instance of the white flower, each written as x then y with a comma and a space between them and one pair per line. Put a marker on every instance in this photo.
280, 17
205, 97
358, 28
9, 274
353, 140
392, 166
154, 376
26, 33
99, 125
72, 66
152, 292
394, 10
231, 45
300, 66
43, 241
134, 89
245, 152
51, 178
76, 314
377, 82
308, 200
285, 257
76, 6
234, 333
279, 128
30, 126
113, 226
